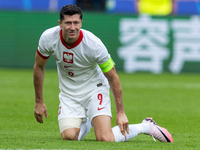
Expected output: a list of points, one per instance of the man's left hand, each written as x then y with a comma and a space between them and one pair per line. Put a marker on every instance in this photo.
122, 121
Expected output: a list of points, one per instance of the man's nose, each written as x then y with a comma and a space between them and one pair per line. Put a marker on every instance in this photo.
72, 26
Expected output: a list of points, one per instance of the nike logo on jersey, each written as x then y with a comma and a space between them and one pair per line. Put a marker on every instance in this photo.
67, 66
100, 108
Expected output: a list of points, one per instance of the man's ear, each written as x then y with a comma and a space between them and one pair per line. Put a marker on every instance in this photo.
81, 22
59, 23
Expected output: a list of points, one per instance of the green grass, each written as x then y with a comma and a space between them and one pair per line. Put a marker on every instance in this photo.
172, 100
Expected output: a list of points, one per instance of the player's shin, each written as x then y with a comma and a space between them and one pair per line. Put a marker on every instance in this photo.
134, 130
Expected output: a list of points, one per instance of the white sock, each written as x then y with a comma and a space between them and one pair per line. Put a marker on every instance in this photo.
84, 129
134, 130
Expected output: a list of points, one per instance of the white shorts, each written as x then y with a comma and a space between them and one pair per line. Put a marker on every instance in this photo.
90, 105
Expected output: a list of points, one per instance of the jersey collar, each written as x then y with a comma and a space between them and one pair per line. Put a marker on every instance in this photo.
75, 44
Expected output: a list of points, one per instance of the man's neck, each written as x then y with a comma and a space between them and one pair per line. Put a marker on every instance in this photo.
69, 42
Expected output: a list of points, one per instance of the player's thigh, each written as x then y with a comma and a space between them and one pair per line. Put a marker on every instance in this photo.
99, 103
70, 108
102, 128
70, 128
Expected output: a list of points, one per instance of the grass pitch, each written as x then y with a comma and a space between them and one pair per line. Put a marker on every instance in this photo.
172, 100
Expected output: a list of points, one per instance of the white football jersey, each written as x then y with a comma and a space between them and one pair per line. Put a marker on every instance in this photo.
77, 66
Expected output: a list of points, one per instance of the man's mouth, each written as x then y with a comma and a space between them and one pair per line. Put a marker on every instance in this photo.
72, 33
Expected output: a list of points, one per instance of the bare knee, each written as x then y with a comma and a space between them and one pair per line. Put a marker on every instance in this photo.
105, 138
70, 134
102, 128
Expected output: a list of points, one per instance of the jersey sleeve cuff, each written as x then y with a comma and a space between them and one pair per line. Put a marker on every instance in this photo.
44, 57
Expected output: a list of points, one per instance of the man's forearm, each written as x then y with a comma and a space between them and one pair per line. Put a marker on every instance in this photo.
117, 93
38, 79
116, 89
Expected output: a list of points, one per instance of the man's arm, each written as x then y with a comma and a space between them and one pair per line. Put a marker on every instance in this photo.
38, 79
116, 89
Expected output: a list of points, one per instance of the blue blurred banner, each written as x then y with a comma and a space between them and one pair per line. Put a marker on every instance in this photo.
151, 7
186, 7
121, 6
178, 7
34, 5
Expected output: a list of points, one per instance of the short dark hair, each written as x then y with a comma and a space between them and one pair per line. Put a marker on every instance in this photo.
70, 10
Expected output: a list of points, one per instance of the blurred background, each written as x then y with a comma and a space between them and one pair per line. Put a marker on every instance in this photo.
153, 36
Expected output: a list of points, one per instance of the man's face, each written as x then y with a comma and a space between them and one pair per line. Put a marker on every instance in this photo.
70, 27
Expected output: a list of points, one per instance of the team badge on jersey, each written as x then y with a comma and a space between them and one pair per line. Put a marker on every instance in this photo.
68, 57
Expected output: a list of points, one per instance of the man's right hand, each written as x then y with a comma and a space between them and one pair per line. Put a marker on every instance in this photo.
40, 109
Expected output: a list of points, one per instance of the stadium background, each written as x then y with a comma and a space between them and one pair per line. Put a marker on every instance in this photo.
141, 35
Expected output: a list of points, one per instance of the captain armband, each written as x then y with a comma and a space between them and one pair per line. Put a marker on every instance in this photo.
107, 66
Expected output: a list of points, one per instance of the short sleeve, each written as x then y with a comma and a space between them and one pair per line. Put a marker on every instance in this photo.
43, 47
101, 54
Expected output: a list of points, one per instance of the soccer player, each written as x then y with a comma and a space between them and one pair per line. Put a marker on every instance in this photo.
85, 71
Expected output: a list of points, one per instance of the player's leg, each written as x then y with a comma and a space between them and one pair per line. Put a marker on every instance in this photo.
84, 128
148, 126
70, 134
104, 132
99, 111
102, 128
74, 128
70, 128
134, 130
70, 118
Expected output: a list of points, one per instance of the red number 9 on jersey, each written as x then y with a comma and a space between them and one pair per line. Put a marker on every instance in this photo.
71, 74
100, 97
